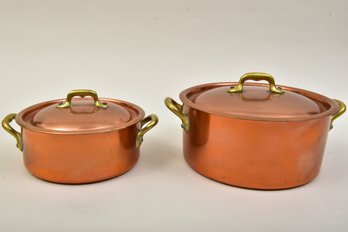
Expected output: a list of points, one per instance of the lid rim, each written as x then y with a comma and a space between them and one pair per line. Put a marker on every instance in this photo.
329, 111
27, 125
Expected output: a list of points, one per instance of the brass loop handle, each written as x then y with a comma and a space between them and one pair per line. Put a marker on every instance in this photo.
341, 111
6, 125
176, 108
81, 93
256, 76
151, 121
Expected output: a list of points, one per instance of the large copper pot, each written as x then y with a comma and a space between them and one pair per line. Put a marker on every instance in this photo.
82, 140
250, 135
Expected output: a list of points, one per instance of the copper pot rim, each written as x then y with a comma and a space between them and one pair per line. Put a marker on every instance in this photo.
20, 117
331, 106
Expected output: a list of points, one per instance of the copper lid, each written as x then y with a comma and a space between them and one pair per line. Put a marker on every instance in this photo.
76, 116
257, 101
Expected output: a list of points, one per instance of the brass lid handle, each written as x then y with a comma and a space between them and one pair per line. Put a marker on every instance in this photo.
256, 76
81, 93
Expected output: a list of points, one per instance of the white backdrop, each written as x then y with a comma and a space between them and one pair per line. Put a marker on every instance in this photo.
143, 51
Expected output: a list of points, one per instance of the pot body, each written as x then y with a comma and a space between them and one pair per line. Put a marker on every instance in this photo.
255, 154
80, 141
80, 158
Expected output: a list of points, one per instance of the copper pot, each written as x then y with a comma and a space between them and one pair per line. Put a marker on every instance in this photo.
82, 140
250, 135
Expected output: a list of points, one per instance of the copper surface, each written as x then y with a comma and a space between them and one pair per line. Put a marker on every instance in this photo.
257, 103
257, 100
84, 158
255, 154
82, 118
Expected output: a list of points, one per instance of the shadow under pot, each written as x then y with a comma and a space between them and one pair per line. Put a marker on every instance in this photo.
253, 135
75, 141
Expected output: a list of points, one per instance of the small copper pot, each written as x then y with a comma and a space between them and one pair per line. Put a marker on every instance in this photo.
80, 141
250, 135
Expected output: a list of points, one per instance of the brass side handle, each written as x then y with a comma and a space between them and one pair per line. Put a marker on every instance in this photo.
256, 76
146, 124
81, 93
6, 125
177, 109
341, 111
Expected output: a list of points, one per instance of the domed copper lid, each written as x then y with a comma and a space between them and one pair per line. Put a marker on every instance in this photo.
257, 101
76, 116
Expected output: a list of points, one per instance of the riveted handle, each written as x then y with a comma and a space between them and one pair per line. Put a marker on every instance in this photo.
176, 108
6, 125
81, 93
256, 76
341, 111
149, 122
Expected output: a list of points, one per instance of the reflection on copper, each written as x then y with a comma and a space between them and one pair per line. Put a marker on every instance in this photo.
199, 126
76, 159
256, 154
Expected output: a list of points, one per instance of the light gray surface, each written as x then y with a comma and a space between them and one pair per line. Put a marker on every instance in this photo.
143, 51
